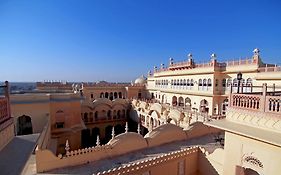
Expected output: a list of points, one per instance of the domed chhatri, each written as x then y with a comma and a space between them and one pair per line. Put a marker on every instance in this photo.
141, 80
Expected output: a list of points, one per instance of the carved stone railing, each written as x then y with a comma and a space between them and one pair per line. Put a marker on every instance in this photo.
133, 168
187, 64
246, 61
246, 101
273, 104
268, 100
4, 115
270, 69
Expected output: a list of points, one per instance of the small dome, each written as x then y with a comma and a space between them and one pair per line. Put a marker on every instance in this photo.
141, 80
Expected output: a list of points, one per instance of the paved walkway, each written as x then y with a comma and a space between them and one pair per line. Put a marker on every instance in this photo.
15, 155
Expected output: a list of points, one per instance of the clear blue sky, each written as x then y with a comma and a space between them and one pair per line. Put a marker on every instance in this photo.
119, 40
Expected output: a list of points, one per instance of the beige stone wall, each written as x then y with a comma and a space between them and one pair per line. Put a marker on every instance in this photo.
6, 135
39, 113
238, 148
122, 144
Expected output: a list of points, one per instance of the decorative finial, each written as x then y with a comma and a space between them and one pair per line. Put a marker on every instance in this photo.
256, 51
189, 57
113, 133
139, 128
126, 127
162, 66
171, 61
98, 140
67, 147
213, 56
155, 67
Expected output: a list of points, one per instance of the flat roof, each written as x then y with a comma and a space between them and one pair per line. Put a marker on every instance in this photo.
263, 135
207, 142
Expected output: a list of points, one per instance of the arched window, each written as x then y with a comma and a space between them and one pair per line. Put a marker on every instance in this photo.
235, 82
200, 82
249, 82
172, 82
96, 115
242, 82
209, 83
191, 82
223, 82
187, 83
180, 82
204, 82
184, 82
102, 95
229, 82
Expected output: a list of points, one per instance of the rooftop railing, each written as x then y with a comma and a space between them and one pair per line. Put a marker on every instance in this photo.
263, 101
187, 64
270, 69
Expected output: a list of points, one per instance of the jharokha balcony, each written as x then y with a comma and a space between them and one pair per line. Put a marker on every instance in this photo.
268, 100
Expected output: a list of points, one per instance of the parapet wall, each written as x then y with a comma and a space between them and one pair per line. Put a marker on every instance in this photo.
47, 161
6, 134
165, 164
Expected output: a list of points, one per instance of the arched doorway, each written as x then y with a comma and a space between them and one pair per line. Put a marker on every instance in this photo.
85, 138
204, 106
109, 116
108, 132
106, 95
174, 101
187, 103
119, 129
102, 95
224, 107
115, 95
120, 95
111, 96
181, 102
24, 125
118, 114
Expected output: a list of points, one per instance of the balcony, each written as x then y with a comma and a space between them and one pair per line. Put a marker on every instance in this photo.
267, 100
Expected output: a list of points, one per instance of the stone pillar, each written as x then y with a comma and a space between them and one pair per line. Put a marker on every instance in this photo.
263, 99
7, 95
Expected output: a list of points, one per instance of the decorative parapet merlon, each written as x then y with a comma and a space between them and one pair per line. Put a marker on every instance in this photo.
132, 168
86, 150
190, 64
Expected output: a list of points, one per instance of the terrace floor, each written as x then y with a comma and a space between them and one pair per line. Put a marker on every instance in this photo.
15, 155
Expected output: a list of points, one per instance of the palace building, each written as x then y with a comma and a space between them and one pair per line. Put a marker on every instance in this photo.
186, 118
205, 87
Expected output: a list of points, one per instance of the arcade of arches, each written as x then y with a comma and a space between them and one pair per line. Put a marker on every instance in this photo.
111, 95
